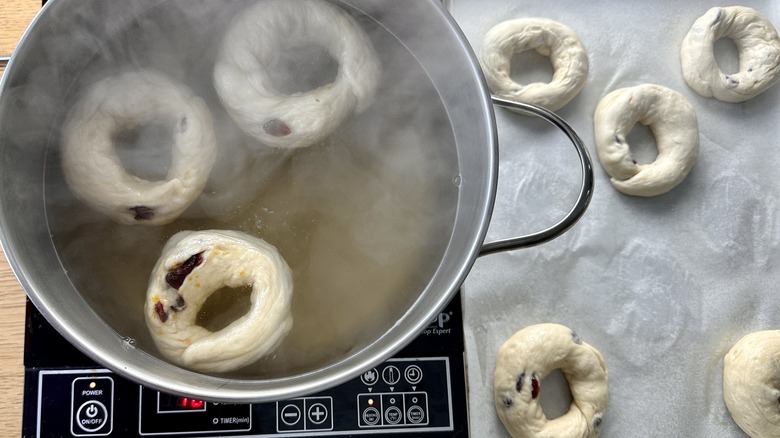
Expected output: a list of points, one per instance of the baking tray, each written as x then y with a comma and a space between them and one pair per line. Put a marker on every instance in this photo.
663, 286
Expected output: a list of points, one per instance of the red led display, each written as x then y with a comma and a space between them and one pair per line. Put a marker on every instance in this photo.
189, 403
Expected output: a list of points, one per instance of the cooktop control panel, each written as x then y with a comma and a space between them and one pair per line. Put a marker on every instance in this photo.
409, 394
420, 392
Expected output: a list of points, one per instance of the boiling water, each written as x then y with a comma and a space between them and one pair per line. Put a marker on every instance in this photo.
362, 219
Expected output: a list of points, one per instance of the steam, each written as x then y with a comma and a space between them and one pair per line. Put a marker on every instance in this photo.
361, 218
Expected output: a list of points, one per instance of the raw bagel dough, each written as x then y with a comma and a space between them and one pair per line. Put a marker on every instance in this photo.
525, 359
751, 383
93, 169
193, 266
673, 123
759, 54
549, 38
301, 119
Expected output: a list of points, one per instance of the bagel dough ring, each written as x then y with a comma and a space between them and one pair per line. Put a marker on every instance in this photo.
525, 359
300, 119
673, 123
759, 54
549, 38
751, 383
192, 267
93, 169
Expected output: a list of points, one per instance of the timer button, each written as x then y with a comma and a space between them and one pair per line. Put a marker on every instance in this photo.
415, 414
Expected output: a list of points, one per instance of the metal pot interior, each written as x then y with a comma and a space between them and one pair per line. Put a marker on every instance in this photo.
380, 223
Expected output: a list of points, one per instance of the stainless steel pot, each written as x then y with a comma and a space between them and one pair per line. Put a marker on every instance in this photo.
34, 91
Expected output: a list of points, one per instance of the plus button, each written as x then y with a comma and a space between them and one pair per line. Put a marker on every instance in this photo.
318, 413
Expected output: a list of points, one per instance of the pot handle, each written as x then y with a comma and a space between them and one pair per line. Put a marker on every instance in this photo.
586, 185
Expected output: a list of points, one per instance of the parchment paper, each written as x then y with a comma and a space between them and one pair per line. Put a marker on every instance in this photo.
662, 286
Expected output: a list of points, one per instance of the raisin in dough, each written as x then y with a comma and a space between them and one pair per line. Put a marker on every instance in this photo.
674, 125
525, 359
758, 45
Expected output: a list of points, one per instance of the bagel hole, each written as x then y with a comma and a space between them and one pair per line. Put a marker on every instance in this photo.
530, 66
223, 307
302, 68
726, 55
145, 150
641, 142
554, 395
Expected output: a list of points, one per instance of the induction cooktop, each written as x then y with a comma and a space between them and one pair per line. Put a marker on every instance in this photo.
421, 392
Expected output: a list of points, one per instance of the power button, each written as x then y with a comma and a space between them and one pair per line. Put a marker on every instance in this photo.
91, 416
92, 401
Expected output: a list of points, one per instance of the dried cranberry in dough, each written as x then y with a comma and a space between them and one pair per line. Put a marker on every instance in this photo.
93, 169
300, 119
204, 262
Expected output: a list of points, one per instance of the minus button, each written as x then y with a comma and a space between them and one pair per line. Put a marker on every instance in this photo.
291, 415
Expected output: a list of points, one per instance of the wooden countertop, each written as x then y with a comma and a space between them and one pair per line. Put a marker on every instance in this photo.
15, 16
